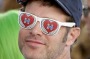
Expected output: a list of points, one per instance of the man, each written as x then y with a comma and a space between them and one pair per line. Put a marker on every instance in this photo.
48, 28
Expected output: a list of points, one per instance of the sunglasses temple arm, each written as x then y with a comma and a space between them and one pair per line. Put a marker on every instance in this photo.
68, 24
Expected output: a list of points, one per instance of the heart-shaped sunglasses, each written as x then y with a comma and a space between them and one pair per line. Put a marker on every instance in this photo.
47, 25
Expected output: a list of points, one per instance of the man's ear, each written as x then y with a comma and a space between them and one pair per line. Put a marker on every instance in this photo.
72, 35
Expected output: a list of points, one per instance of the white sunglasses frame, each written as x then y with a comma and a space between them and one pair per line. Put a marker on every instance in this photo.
66, 24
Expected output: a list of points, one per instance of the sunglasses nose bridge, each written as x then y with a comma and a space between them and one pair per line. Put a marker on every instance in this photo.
37, 29
38, 19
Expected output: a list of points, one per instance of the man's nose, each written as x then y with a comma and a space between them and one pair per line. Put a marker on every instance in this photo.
36, 30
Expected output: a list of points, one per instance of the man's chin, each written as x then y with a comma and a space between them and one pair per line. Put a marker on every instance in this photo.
34, 54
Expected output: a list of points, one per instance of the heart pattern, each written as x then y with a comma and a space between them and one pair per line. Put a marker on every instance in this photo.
50, 25
27, 20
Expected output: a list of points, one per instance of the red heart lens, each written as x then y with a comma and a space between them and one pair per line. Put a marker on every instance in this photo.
50, 25
27, 20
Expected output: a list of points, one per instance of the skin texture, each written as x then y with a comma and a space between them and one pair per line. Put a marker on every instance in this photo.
51, 47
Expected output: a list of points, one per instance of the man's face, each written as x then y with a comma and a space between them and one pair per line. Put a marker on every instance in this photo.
36, 45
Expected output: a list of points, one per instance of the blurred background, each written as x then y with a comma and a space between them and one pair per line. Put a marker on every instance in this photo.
81, 49
9, 29
6, 5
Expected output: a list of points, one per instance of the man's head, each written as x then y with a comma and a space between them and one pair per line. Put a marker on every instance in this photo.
47, 29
